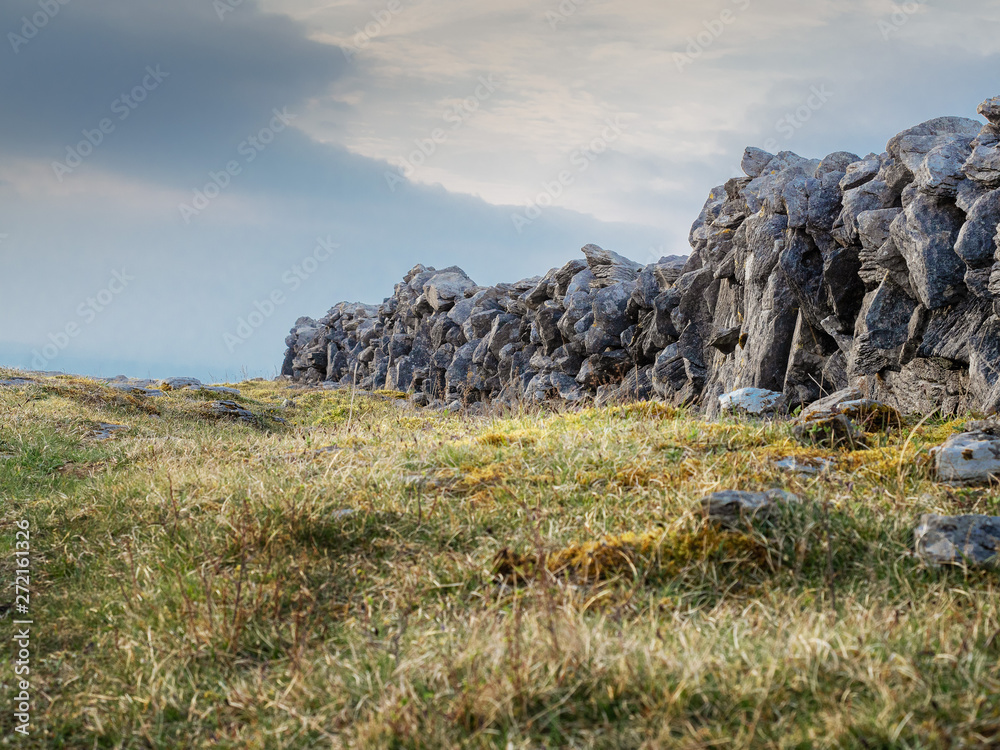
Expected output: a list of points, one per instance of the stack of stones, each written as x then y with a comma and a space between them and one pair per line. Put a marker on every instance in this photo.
806, 277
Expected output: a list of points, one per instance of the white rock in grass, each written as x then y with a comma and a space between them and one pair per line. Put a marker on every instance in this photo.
957, 540
969, 457
756, 401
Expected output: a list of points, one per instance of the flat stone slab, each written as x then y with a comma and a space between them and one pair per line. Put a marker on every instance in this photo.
734, 508
105, 431
232, 410
807, 466
17, 382
756, 401
958, 540
970, 457
136, 389
180, 382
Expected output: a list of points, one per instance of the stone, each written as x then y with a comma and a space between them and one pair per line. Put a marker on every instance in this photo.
177, 383
805, 466
969, 457
609, 267
232, 410
443, 289
990, 109
136, 390
925, 234
104, 431
805, 276
736, 509
16, 382
958, 540
755, 401
754, 161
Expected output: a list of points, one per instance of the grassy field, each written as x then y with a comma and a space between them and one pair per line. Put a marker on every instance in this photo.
370, 575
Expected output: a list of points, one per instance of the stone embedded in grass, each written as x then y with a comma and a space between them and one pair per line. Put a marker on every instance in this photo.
830, 431
958, 540
104, 431
16, 382
177, 383
136, 389
841, 420
232, 410
756, 401
809, 466
734, 508
969, 457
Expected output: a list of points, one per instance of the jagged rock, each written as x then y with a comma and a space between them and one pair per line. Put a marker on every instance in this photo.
231, 410
735, 509
609, 267
972, 457
445, 287
754, 161
958, 540
925, 234
755, 401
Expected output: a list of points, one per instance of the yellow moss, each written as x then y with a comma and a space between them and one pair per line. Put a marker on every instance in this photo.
668, 553
644, 410
484, 475
940, 433
501, 439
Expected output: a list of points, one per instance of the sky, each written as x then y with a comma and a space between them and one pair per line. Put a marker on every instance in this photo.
179, 182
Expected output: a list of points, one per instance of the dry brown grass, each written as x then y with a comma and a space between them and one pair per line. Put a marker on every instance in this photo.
548, 581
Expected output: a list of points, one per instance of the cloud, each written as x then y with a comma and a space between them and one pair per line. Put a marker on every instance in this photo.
361, 114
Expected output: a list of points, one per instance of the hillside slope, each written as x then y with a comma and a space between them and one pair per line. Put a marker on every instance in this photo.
310, 568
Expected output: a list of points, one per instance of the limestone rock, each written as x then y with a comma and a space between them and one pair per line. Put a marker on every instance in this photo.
958, 540
756, 401
970, 457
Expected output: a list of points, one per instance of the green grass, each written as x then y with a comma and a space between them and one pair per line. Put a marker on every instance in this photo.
532, 579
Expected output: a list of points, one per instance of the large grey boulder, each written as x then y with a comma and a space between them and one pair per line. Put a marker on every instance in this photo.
609, 267
443, 289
